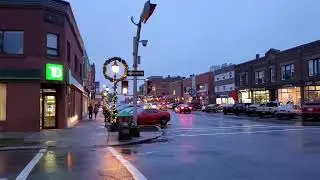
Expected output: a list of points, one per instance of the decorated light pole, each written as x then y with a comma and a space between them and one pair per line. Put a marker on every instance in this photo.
115, 78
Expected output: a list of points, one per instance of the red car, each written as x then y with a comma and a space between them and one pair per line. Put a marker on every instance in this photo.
145, 116
183, 108
311, 110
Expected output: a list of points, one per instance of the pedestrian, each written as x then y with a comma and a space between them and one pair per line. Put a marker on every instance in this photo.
90, 109
96, 110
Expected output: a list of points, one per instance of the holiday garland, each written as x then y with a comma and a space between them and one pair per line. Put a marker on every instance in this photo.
111, 60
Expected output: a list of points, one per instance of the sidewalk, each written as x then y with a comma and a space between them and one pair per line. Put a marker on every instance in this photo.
86, 134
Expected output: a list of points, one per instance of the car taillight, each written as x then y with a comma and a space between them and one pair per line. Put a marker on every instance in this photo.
190, 108
182, 107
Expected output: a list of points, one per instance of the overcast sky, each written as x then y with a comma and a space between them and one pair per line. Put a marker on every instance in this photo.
187, 36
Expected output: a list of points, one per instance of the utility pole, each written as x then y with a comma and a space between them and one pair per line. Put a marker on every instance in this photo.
145, 15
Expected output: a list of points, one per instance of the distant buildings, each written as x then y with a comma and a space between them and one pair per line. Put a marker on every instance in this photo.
224, 84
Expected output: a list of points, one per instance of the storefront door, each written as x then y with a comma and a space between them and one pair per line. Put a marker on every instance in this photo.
48, 110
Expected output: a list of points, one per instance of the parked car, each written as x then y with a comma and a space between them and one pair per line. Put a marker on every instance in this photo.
150, 116
175, 105
289, 111
170, 105
162, 106
269, 109
183, 108
211, 108
240, 108
311, 110
229, 108
150, 106
252, 109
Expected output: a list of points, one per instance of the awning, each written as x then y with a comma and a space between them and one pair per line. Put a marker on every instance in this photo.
74, 82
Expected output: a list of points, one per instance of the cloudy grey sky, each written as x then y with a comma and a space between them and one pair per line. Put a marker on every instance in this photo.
187, 36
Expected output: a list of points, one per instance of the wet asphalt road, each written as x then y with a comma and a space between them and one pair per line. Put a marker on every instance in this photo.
201, 146
194, 146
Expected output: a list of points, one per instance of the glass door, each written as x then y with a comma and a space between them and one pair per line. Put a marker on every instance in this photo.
49, 112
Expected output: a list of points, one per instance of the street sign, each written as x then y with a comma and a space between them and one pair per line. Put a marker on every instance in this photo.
135, 73
192, 92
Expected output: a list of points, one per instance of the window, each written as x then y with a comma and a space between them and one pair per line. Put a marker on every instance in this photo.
75, 63
80, 72
231, 88
3, 102
314, 67
259, 77
224, 88
272, 75
244, 79
174, 92
230, 74
11, 42
223, 77
287, 72
52, 44
68, 52
217, 79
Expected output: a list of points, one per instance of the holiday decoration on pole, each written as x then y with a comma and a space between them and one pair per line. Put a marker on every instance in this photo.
115, 67
119, 61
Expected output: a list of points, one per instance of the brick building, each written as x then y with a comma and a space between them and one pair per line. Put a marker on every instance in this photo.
204, 88
291, 75
159, 86
91, 80
176, 91
41, 66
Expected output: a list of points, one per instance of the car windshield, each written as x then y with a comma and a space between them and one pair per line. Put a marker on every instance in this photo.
272, 104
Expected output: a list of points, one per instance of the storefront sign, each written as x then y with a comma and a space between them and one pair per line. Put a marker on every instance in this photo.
54, 72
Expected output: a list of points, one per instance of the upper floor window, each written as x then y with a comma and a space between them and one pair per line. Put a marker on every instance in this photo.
287, 72
272, 75
52, 44
259, 77
75, 63
230, 74
244, 79
80, 72
68, 52
11, 42
314, 67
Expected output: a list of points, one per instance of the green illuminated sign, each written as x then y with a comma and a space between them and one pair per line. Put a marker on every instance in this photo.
54, 72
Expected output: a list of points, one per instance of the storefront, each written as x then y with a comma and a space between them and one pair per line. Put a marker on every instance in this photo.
312, 93
289, 94
245, 96
202, 97
260, 96
224, 99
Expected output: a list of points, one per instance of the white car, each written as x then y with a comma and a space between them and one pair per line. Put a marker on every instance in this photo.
269, 108
290, 111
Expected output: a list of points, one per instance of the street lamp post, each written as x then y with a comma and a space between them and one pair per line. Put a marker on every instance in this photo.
145, 15
115, 69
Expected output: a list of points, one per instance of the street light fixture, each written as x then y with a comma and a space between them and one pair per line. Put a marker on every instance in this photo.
107, 89
115, 67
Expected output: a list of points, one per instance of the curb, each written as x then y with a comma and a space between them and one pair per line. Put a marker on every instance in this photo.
142, 141
16, 148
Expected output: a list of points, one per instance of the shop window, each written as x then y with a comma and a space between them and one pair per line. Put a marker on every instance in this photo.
3, 102
287, 72
291, 94
314, 67
174, 92
312, 94
52, 44
260, 96
259, 77
11, 42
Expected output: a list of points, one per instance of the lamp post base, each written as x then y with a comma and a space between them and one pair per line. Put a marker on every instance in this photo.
124, 134
135, 131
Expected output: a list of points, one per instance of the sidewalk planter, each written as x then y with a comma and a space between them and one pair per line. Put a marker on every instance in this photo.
124, 134
135, 132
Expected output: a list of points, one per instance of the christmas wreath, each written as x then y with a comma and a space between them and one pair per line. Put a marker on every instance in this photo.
112, 60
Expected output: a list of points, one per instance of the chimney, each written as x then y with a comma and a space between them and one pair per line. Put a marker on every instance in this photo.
257, 56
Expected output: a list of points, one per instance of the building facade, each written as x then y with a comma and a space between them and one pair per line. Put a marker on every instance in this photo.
91, 80
41, 65
176, 91
159, 86
204, 88
224, 85
286, 76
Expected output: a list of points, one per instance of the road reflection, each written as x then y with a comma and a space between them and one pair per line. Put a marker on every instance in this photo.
186, 120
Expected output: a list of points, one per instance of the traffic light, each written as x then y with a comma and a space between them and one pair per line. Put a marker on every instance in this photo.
124, 87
